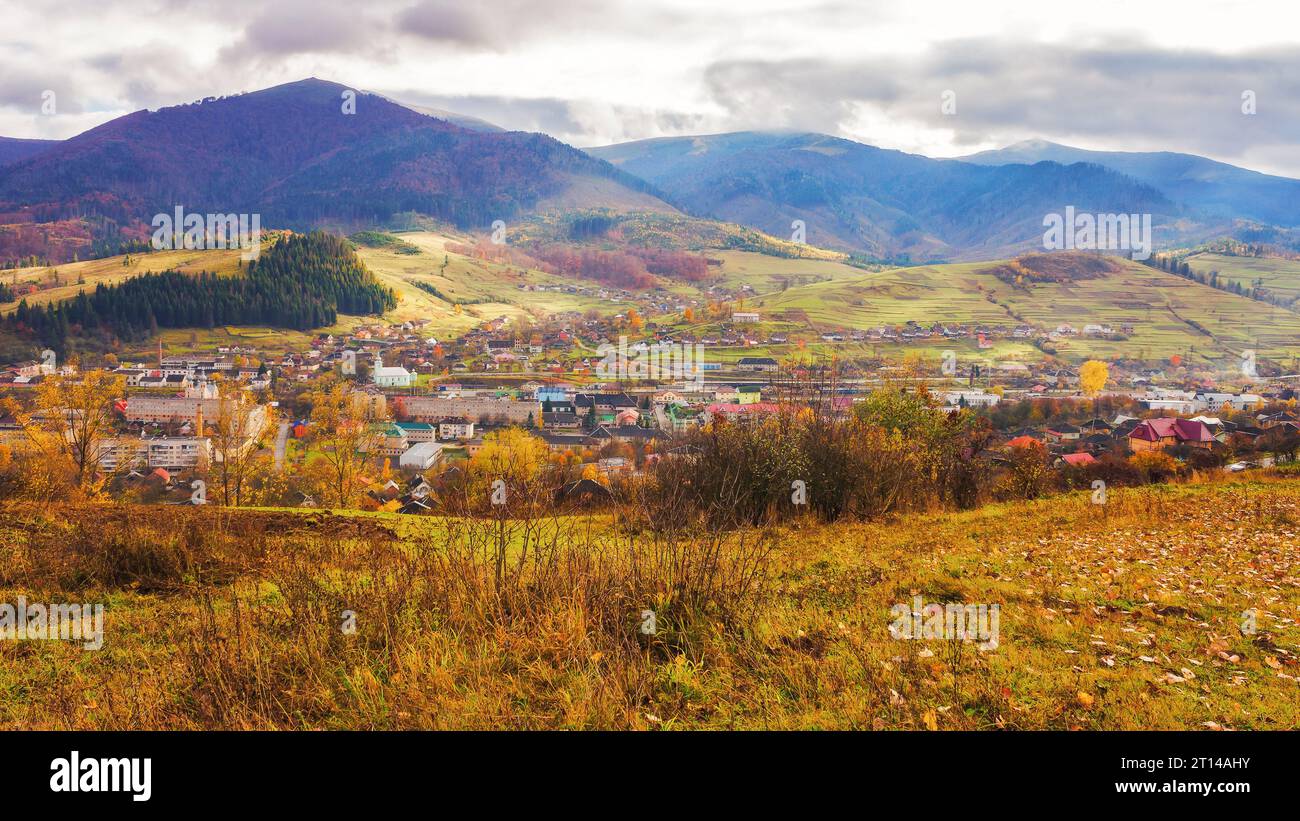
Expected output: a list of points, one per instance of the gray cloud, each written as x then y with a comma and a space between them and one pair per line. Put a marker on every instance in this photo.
495, 25
305, 27
22, 89
579, 122
1129, 95
149, 75
549, 114
1122, 93
450, 21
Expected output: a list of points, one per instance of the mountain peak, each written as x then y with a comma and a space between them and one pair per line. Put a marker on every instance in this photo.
306, 86
304, 161
1035, 144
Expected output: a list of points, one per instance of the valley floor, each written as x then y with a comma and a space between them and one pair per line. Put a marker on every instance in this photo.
1169, 607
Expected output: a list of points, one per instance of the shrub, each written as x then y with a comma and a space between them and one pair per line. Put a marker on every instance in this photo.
1153, 466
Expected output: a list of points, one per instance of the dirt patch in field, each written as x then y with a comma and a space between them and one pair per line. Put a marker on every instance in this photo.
1059, 267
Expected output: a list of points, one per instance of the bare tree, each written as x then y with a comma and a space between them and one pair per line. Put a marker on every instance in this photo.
345, 437
239, 424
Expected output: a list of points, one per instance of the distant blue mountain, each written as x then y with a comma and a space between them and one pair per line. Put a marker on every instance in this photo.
1213, 187
894, 205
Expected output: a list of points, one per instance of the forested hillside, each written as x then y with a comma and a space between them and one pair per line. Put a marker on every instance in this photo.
301, 282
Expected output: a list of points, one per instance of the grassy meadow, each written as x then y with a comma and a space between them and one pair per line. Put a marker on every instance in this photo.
805, 296
769, 274
1170, 315
485, 289
1281, 276
1123, 616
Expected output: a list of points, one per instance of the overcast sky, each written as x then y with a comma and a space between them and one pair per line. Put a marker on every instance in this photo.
1124, 75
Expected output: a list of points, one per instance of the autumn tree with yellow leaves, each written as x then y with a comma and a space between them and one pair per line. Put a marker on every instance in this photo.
1093, 376
511, 454
68, 430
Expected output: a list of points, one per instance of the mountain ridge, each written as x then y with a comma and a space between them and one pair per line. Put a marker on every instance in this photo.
881, 202
15, 149
1214, 186
291, 153
297, 156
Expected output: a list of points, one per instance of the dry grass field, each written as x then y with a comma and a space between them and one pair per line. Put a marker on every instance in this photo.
1131, 615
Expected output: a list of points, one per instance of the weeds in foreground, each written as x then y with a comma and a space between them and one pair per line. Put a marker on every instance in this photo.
1122, 616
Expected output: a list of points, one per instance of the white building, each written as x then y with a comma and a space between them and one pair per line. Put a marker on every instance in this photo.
1179, 406
388, 377
167, 452
132, 375
203, 390
455, 429
972, 398
421, 457
1216, 401
173, 452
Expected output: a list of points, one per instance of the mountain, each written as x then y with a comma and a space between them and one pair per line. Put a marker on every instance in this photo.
291, 154
14, 149
1210, 186
883, 203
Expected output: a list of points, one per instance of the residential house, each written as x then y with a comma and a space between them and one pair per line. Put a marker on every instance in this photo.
726, 393
749, 394
1081, 459
417, 431
680, 418
1155, 434
556, 420
1061, 432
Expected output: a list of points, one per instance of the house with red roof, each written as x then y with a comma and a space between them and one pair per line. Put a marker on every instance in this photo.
1024, 442
1156, 434
1078, 459
734, 410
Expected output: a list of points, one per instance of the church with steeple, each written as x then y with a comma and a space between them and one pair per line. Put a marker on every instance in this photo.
390, 377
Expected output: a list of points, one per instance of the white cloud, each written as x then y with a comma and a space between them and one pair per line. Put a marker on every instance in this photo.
1105, 74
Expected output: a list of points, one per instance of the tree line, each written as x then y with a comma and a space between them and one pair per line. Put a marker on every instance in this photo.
300, 282
1256, 290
